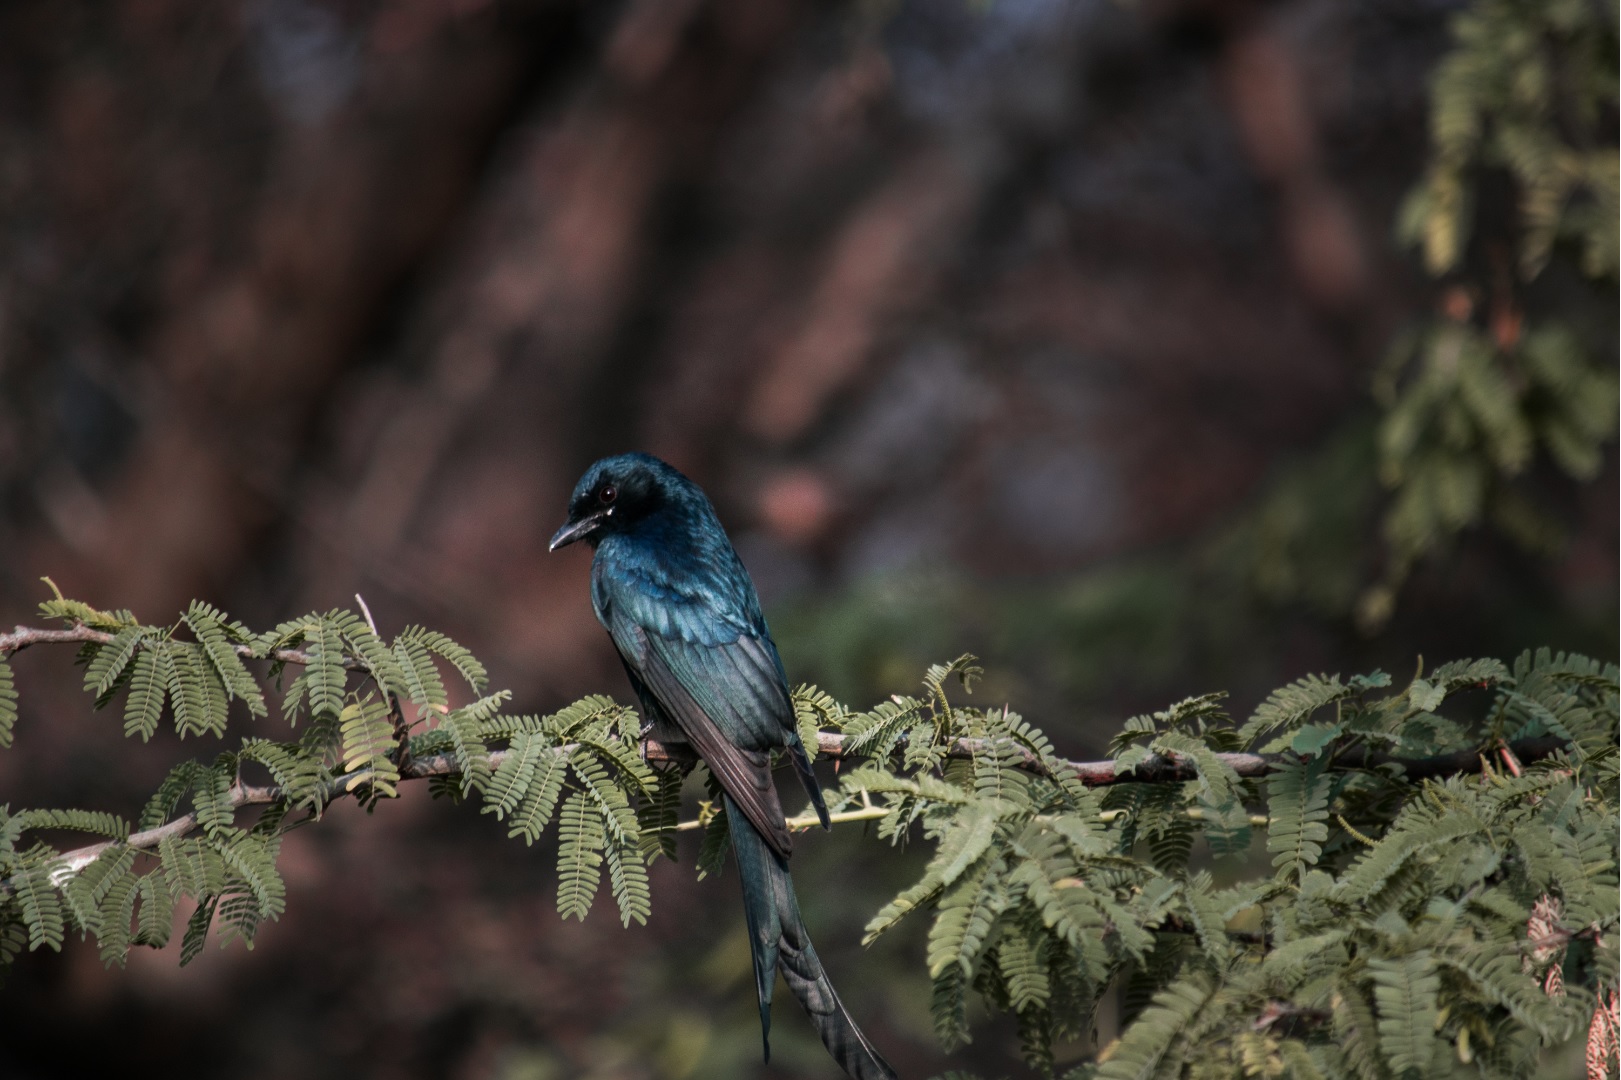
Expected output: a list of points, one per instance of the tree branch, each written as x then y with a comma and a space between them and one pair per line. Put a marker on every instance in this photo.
1158, 769
24, 636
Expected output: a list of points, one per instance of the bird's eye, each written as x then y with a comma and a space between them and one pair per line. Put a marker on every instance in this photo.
607, 495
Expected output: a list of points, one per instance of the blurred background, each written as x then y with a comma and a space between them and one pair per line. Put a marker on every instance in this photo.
1049, 331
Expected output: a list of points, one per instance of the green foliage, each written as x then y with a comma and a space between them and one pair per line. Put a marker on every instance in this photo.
1525, 84
8, 704
351, 738
1386, 932
1390, 937
1529, 89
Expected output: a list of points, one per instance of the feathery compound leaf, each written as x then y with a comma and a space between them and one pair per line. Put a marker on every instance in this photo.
876, 733
1018, 959
612, 805
253, 860
8, 704
541, 795
191, 867
86, 890
462, 660
1220, 792
1136, 1055
968, 838
76, 611
148, 686
658, 814
90, 821
1404, 990
421, 676
195, 690
325, 678
465, 727
379, 659
214, 634
579, 856
967, 912
211, 796
1205, 913
1418, 833
174, 788
293, 700
114, 914
510, 780
1458, 674
1292, 704
110, 659
567, 722
238, 916
917, 895
1297, 812
156, 913
301, 776
41, 910
368, 740
815, 710
186, 699
191, 946
628, 876
1502, 978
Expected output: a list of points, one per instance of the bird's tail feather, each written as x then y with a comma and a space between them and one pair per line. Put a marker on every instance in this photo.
807, 777
777, 936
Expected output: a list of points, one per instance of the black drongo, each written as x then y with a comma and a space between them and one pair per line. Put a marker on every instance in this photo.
683, 613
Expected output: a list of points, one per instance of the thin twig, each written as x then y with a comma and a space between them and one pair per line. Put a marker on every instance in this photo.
24, 636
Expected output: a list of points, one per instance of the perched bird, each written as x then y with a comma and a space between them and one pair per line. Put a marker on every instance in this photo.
683, 613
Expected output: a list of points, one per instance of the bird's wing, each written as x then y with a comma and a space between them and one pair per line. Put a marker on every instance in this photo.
673, 676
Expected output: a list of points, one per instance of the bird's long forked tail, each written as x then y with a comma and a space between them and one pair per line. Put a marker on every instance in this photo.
777, 937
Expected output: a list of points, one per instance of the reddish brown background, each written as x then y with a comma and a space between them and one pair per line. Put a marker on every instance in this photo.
977, 321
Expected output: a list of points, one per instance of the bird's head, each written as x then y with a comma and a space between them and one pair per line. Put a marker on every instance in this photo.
613, 495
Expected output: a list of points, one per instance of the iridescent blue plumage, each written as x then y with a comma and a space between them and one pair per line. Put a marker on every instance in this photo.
683, 613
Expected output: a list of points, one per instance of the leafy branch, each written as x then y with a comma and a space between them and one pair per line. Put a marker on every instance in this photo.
1438, 869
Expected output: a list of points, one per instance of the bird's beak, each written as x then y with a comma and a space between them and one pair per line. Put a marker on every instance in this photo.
575, 530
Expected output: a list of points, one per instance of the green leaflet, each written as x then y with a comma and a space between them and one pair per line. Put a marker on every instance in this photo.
415, 658
110, 659
463, 661
1297, 809
1404, 991
1287, 707
8, 703
217, 640
1018, 959
156, 912
325, 678
148, 686
967, 913
379, 658
658, 815
191, 946
627, 875
540, 800
814, 711
1138, 1053
579, 856
39, 907
90, 821
367, 732
86, 890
